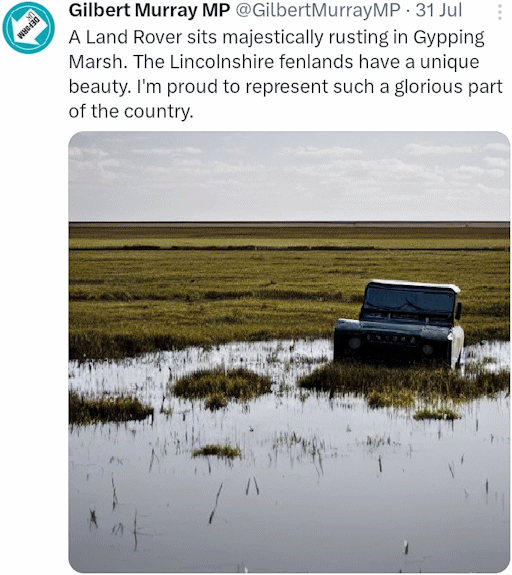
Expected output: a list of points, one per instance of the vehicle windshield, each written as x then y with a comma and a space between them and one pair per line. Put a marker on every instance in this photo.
408, 300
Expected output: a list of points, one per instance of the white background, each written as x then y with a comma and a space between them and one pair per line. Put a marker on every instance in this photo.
36, 129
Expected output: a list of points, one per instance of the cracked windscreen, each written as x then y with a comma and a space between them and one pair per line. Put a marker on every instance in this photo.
408, 301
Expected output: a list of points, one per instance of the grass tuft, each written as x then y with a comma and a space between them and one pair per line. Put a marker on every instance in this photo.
240, 384
224, 451
84, 410
440, 413
216, 401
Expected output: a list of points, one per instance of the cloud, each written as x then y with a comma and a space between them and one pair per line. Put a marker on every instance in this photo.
75, 151
420, 150
315, 152
465, 172
497, 147
110, 163
167, 151
497, 163
289, 175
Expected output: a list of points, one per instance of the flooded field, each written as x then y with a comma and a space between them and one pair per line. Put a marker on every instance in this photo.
323, 484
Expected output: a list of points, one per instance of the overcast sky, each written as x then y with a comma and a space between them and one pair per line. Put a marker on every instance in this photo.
276, 176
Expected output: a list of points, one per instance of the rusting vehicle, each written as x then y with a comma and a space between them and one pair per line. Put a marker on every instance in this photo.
403, 323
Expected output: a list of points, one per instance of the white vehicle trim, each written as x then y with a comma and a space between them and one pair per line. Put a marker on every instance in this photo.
453, 287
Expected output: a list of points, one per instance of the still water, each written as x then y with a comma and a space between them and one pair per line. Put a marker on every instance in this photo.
323, 485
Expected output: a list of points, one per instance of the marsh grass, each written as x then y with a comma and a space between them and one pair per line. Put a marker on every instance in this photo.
440, 413
84, 410
239, 384
223, 451
216, 401
393, 386
129, 302
390, 397
308, 445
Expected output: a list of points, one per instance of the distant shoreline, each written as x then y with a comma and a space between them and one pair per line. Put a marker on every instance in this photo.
294, 224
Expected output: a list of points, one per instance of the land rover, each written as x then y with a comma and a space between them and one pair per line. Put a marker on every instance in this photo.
403, 322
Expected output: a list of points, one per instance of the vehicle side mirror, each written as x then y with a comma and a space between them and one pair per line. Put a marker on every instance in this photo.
458, 311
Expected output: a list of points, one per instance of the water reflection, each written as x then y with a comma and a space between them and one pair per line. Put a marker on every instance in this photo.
324, 484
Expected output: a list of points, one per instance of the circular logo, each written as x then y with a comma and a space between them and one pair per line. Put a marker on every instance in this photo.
28, 27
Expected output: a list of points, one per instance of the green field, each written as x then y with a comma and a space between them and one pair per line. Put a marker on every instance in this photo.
209, 285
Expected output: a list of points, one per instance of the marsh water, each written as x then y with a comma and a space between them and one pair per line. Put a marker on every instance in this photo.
324, 484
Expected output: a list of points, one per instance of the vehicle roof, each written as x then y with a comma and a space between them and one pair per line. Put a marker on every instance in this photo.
452, 287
